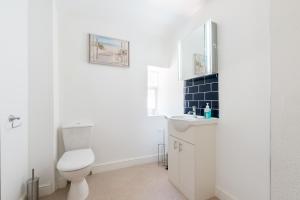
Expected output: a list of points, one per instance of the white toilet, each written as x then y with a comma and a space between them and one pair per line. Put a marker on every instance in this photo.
76, 162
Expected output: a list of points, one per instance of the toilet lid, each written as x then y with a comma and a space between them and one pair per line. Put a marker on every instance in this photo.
75, 160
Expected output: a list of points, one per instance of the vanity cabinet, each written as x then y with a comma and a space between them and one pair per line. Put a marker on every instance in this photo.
191, 161
181, 166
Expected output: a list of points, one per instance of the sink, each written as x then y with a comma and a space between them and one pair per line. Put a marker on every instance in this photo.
183, 122
187, 117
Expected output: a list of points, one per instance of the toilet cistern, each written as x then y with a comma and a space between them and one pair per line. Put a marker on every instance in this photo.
76, 162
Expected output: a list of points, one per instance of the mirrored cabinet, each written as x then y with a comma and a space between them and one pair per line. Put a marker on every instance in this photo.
198, 52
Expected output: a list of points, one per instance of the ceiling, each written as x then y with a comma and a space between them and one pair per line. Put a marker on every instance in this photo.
152, 16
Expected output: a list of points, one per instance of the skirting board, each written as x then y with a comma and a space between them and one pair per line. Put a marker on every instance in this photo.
119, 164
223, 195
45, 190
114, 165
61, 182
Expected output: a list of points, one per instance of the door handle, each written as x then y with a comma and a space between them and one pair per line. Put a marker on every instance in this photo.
12, 119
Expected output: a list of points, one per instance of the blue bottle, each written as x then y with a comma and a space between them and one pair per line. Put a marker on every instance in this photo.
207, 112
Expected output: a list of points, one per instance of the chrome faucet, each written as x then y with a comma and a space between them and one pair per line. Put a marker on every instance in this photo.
193, 112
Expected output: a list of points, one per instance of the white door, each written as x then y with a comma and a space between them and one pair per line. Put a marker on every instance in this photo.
173, 170
187, 169
13, 97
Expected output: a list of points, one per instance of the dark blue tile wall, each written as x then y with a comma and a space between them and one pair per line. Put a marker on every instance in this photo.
202, 90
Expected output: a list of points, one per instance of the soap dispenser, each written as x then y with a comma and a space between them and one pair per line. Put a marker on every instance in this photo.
207, 112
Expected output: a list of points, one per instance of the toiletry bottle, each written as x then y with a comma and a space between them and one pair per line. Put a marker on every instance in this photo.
207, 112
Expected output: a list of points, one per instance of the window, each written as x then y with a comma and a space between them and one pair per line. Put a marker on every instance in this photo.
153, 79
162, 91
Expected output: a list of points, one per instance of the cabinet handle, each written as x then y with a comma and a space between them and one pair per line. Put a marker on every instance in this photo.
175, 145
180, 147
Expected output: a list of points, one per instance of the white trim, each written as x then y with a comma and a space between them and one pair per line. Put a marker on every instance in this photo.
119, 164
113, 165
45, 190
224, 195
61, 182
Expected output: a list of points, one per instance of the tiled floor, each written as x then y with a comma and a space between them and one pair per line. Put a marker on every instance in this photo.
145, 182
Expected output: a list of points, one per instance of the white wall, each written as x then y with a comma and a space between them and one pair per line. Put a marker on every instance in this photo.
114, 98
51, 59
244, 90
285, 41
42, 141
13, 97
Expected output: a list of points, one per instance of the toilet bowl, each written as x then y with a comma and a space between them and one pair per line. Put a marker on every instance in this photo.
74, 166
77, 161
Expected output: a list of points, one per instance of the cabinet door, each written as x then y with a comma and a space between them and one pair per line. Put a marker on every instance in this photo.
173, 170
187, 169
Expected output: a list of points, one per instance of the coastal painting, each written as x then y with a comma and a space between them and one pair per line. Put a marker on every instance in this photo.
108, 51
199, 63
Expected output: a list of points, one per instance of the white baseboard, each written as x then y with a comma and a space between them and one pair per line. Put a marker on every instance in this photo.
114, 165
61, 182
119, 164
223, 195
46, 190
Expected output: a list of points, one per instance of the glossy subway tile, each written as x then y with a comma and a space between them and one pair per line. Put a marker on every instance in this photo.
193, 89
205, 88
199, 96
215, 87
198, 81
202, 90
212, 96
211, 78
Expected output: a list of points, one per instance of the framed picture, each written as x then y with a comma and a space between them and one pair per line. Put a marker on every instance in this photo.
199, 64
108, 51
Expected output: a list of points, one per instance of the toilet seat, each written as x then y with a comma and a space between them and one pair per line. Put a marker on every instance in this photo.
75, 160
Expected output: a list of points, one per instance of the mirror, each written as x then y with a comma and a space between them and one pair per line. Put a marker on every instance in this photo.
198, 52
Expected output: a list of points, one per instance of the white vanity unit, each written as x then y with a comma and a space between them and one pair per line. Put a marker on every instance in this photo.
192, 155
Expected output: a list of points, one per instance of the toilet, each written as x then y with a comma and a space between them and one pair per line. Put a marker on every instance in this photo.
76, 162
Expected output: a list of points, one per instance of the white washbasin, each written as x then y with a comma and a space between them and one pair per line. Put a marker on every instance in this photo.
183, 122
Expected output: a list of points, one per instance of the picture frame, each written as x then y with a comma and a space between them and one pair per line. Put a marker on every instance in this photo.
109, 51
